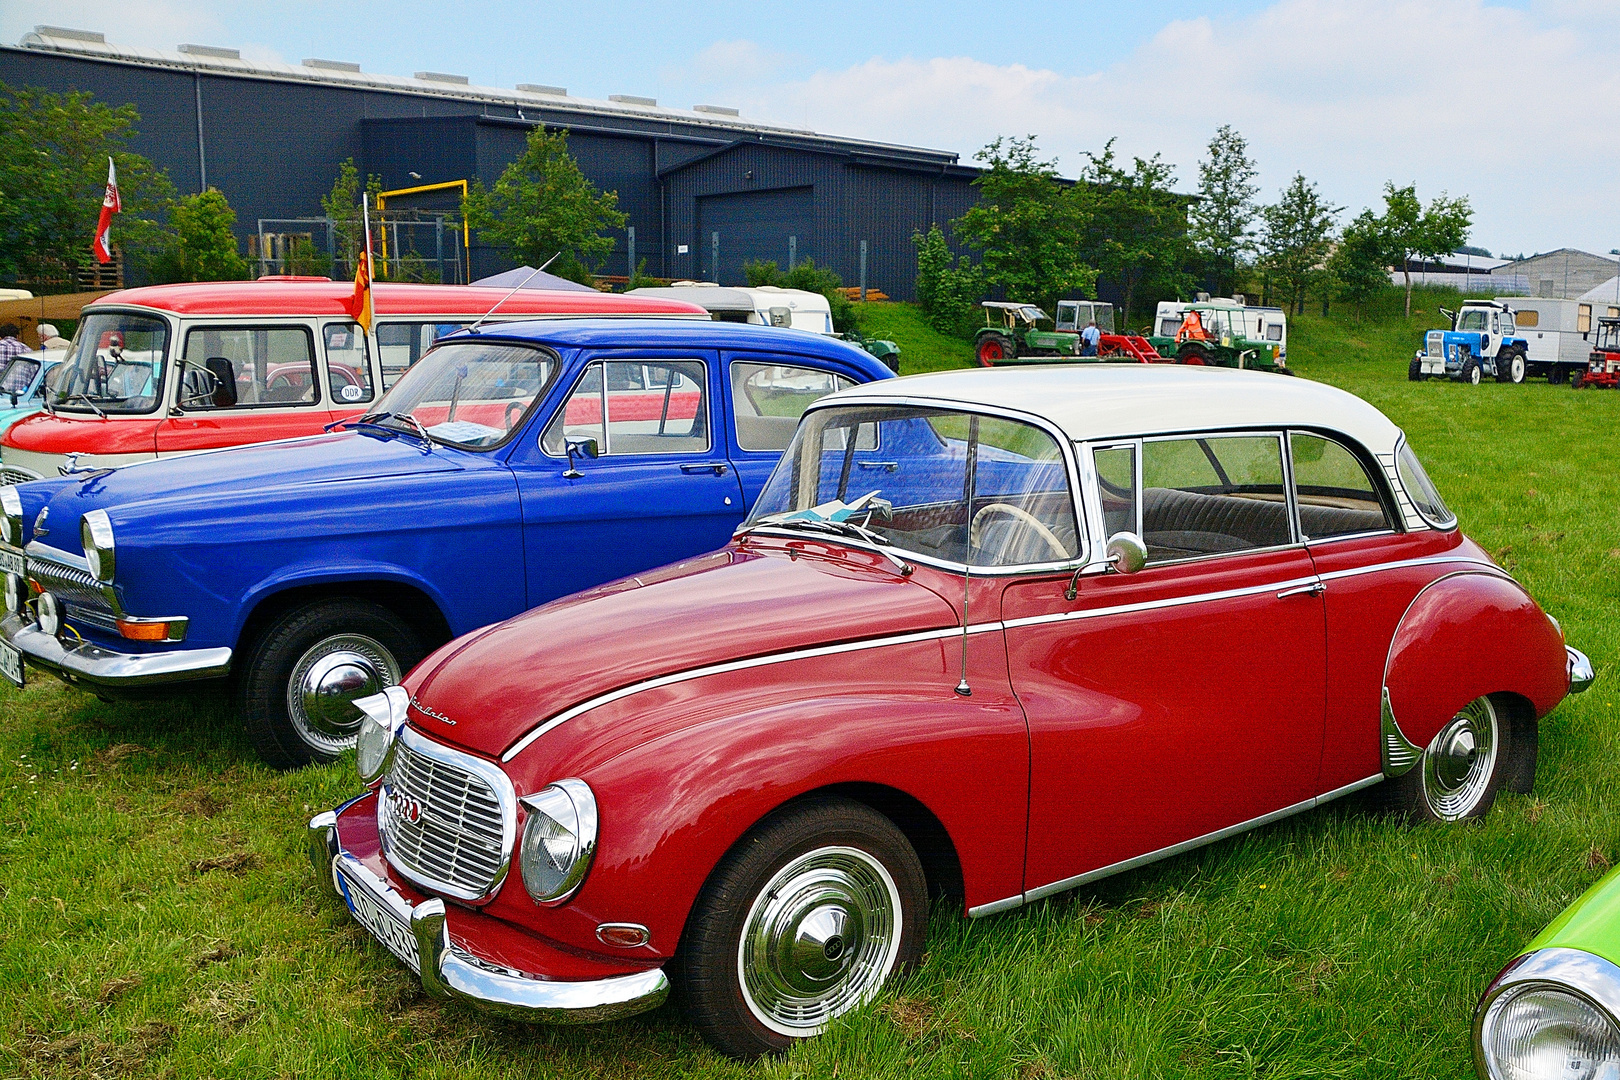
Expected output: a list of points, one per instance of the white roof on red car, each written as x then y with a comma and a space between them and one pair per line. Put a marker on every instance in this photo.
1101, 401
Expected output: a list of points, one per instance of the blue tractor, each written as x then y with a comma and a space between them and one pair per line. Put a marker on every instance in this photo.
1482, 341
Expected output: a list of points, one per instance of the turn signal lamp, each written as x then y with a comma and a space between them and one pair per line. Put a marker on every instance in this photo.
143, 631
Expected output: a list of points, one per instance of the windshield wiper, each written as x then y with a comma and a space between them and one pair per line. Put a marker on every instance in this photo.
87, 400
375, 420
837, 528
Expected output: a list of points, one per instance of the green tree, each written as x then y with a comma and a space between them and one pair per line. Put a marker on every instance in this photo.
204, 245
1028, 226
808, 276
1296, 238
1360, 266
1412, 230
1221, 222
543, 206
342, 205
304, 258
948, 287
53, 173
1135, 229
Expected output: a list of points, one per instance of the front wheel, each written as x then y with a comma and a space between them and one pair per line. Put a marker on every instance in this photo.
307, 668
1194, 356
803, 921
1578, 380
1465, 765
1414, 371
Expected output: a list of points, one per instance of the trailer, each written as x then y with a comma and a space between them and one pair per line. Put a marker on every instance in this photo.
1558, 332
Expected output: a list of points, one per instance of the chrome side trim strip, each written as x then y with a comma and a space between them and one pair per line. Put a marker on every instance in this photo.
1401, 564
1174, 849
740, 665
1174, 601
1399, 752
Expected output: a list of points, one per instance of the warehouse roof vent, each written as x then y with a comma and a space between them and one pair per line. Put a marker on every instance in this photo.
332, 65
211, 50
538, 88
630, 99
71, 34
439, 76
717, 110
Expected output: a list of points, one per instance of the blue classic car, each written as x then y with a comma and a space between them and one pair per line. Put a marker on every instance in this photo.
22, 383
505, 469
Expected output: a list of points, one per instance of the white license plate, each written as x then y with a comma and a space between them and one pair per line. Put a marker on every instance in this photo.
379, 917
12, 562
11, 662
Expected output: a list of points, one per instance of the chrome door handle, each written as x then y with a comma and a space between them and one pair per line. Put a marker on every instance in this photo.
716, 467
888, 465
1315, 588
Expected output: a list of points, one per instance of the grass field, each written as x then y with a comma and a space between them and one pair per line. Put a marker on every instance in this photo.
158, 918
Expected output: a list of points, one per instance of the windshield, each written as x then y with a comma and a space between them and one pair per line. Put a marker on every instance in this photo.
1608, 335
18, 375
1104, 314
955, 486
1471, 319
469, 393
114, 366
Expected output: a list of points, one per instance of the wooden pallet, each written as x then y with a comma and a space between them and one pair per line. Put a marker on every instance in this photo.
872, 295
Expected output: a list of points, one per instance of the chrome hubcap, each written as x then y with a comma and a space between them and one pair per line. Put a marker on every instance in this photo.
819, 940
326, 682
1458, 764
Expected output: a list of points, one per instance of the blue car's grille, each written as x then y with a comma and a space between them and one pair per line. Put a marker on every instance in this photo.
81, 593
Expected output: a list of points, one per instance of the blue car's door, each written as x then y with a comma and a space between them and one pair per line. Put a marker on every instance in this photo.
768, 392
661, 487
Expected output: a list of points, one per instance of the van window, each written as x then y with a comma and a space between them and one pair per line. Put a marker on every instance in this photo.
269, 366
347, 371
1583, 318
1526, 319
1168, 327
401, 344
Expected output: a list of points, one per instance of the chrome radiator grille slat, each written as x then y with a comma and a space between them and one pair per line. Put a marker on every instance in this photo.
75, 587
465, 817
16, 474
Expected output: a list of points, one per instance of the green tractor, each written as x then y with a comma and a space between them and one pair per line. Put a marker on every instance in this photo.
1013, 332
1222, 333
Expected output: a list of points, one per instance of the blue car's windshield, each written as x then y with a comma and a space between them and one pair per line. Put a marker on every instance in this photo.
469, 393
18, 375
955, 486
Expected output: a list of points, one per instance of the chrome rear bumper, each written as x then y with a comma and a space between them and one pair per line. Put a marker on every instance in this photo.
1581, 674
448, 971
84, 662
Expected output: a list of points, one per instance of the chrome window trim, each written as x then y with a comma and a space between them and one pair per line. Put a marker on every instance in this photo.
607, 441
1345, 442
1442, 526
498, 782
729, 360
1064, 884
1315, 540
1575, 972
1065, 447
811, 652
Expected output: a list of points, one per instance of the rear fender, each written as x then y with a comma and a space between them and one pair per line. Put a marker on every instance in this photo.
1468, 634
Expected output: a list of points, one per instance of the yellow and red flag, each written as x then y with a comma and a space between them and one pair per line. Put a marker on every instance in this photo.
362, 306
101, 246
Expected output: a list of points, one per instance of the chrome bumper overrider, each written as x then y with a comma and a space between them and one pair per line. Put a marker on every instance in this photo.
83, 662
1581, 674
449, 972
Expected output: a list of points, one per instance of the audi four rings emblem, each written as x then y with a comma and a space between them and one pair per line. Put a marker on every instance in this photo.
403, 805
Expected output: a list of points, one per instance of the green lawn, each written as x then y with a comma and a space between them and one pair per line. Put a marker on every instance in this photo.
158, 919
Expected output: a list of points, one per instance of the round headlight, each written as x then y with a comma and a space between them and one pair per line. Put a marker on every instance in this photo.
95, 531
559, 840
1541, 1032
50, 614
15, 591
381, 717
11, 515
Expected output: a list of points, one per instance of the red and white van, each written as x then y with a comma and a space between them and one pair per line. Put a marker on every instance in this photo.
172, 369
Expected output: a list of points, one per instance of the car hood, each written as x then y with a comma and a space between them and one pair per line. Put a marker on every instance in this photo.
249, 475
9, 416
499, 683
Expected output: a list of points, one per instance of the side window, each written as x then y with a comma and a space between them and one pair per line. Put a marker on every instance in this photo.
1335, 493
768, 399
1583, 318
1526, 319
1213, 494
1116, 482
229, 366
347, 372
635, 407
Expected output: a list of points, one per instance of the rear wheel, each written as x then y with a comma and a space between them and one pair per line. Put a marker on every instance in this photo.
1466, 764
1510, 367
994, 348
804, 920
307, 668
1470, 372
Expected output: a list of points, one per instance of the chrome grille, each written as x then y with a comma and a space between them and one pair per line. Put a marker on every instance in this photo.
81, 593
16, 474
460, 842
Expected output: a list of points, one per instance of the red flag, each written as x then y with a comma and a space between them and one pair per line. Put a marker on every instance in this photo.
361, 305
101, 245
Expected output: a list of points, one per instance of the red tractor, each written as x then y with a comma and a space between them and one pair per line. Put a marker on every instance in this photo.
1603, 368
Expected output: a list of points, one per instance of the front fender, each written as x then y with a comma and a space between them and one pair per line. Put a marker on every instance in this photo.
329, 573
1466, 635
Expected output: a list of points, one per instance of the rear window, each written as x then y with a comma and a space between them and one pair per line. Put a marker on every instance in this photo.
1421, 490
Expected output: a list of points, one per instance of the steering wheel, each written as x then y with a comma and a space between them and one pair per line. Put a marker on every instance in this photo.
511, 406
1023, 516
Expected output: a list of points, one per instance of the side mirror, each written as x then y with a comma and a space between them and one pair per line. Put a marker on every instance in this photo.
1126, 553
584, 448
224, 373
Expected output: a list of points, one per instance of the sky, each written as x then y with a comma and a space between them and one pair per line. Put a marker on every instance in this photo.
1513, 104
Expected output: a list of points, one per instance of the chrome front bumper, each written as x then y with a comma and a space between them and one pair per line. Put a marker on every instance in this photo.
1581, 674
447, 971
84, 662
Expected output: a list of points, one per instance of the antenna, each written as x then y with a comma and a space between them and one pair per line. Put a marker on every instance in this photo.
962, 687
473, 329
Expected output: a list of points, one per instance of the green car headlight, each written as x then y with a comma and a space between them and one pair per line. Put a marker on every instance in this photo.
559, 840
1541, 1032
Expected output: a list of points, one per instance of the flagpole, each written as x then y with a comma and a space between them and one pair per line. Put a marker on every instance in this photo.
365, 218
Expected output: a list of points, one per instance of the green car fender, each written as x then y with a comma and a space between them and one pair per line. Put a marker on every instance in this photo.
1554, 1010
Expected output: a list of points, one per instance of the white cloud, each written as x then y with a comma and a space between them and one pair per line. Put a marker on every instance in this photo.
1513, 108
152, 24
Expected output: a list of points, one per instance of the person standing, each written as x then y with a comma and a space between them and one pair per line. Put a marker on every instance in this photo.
1089, 337
10, 343
49, 338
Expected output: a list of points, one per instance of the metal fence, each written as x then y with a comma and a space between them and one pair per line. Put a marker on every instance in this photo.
1473, 284
412, 245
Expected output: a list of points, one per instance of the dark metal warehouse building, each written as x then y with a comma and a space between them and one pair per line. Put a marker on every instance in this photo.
704, 188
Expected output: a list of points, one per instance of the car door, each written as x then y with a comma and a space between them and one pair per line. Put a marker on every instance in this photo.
768, 394
1168, 705
660, 488
243, 383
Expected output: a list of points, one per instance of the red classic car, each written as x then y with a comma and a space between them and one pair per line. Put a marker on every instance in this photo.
988, 634
178, 368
